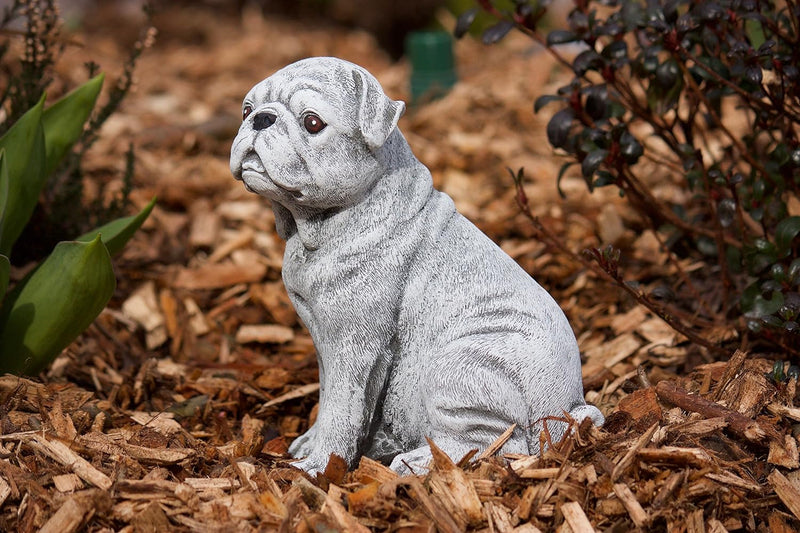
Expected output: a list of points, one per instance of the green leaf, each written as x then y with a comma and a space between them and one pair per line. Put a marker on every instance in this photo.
561, 172
557, 37
46, 311
755, 32
117, 233
748, 298
63, 121
591, 163
546, 99
733, 256
3, 190
785, 233
794, 271
763, 307
24, 162
5, 272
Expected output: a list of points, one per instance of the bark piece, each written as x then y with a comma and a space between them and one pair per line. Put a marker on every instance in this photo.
337, 513
715, 526
695, 457
151, 518
60, 452
576, 518
67, 483
631, 504
142, 307
454, 490
264, 333
626, 460
444, 522
671, 484
499, 517
370, 471
498, 443
5, 491
731, 369
539, 473
205, 229
293, 394
273, 297
219, 275
728, 478
787, 491
610, 353
643, 407
239, 240
694, 522
749, 392
70, 516
783, 452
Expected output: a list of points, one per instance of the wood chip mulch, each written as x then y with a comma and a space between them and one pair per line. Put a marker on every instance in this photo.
713, 452
174, 411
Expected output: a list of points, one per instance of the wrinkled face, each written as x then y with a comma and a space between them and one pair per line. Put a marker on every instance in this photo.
302, 141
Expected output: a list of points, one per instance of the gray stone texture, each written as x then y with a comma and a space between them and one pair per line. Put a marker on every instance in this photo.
423, 326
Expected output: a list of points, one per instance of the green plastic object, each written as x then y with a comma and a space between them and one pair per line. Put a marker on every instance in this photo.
433, 70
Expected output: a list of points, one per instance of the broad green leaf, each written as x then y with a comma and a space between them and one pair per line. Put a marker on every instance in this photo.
117, 233
748, 298
785, 233
46, 311
24, 162
763, 307
3, 189
5, 272
755, 32
63, 121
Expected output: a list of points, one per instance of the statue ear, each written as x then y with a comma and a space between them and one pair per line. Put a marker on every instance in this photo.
377, 113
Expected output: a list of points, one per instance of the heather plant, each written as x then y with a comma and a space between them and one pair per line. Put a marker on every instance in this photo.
704, 95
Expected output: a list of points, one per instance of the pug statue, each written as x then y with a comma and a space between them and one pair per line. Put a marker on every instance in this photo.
424, 327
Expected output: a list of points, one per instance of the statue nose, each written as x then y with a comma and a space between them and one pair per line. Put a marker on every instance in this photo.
263, 120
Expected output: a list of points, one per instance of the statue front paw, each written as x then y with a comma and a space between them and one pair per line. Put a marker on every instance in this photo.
304, 445
312, 464
414, 462
314, 449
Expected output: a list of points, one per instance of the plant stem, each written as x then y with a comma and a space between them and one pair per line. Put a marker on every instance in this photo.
549, 238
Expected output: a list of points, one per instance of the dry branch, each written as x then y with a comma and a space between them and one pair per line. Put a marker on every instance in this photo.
739, 424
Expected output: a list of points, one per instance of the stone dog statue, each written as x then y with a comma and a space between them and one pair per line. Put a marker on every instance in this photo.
422, 325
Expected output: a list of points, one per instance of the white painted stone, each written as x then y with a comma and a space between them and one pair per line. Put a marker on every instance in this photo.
423, 326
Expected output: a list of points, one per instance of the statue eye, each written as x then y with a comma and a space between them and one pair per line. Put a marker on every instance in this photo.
246, 110
313, 123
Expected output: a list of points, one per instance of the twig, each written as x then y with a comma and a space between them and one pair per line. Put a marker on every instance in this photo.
743, 151
732, 86
550, 239
682, 274
738, 423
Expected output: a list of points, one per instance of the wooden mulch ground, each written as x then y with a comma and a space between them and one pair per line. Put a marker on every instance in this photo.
175, 409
